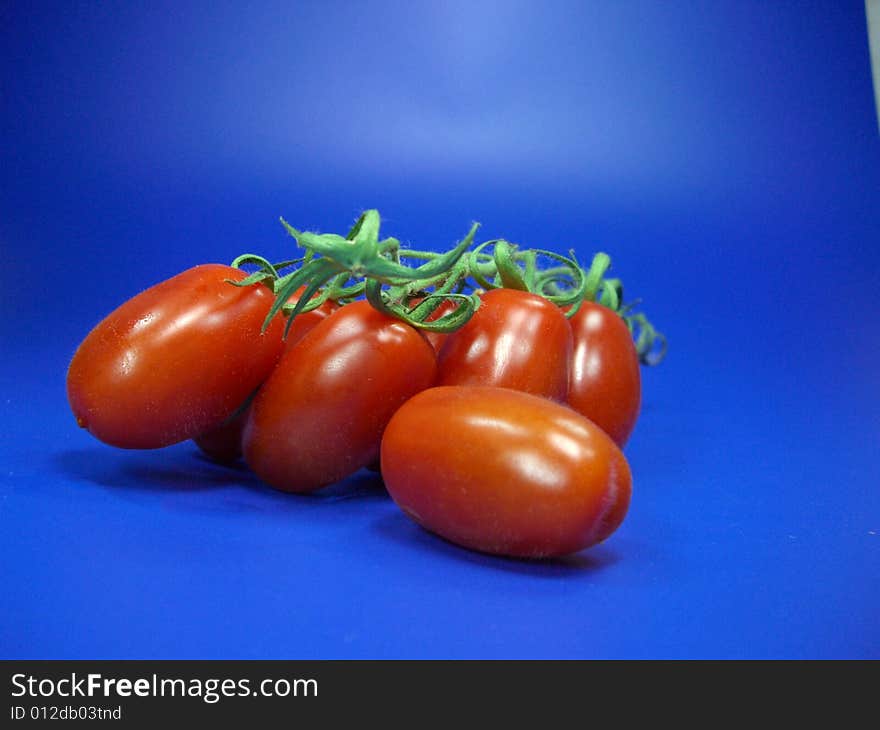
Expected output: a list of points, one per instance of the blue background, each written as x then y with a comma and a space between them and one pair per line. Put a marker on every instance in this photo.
725, 153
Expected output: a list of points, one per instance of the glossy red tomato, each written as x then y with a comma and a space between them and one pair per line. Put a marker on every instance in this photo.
605, 384
504, 472
174, 361
321, 414
514, 340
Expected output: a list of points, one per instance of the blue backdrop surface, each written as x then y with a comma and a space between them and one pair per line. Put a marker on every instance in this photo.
726, 154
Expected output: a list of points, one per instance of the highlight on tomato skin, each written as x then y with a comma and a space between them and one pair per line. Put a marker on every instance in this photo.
174, 361
320, 415
515, 339
605, 381
504, 472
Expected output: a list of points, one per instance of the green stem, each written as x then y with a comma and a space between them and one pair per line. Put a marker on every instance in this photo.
601, 263
508, 270
362, 264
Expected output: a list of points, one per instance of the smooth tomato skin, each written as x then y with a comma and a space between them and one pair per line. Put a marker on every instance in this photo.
504, 472
605, 383
321, 414
514, 340
174, 361
436, 339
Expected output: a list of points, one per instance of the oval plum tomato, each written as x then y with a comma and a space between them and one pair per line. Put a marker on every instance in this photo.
174, 361
320, 415
514, 340
605, 384
306, 321
504, 472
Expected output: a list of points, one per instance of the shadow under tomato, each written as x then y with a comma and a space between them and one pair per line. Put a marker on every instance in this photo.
401, 530
154, 471
181, 469
364, 484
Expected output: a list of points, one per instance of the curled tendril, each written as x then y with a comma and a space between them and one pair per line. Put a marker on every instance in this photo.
564, 284
361, 264
650, 344
265, 273
417, 316
569, 281
611, 294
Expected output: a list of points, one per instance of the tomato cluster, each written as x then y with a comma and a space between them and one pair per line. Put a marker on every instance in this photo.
521, 341
503, 435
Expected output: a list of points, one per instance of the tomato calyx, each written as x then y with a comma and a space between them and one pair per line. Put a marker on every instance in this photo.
362, 255
416, 285
346, 268
564, 282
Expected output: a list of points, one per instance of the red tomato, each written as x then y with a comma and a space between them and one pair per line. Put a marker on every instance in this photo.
223, 444
514, 340
504, 472
305, 322
174, 361
605, 384
321, 414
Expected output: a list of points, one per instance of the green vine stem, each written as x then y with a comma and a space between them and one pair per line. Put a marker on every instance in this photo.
360, 264
650, 344
509, 273
565, 285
